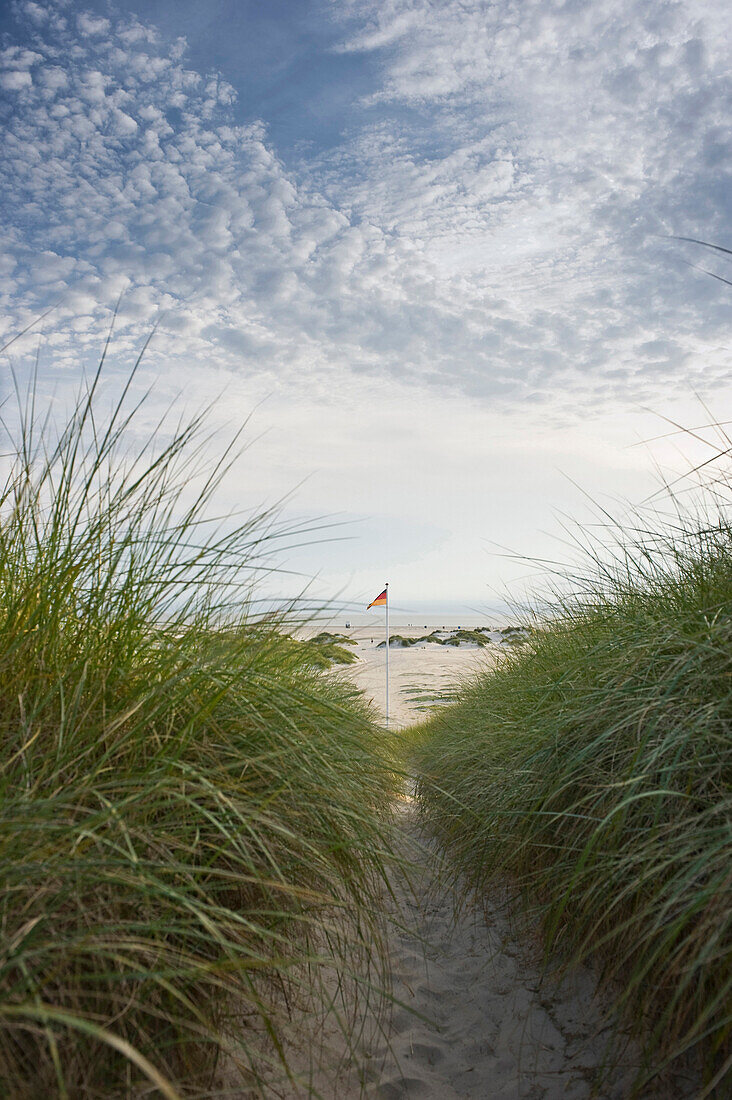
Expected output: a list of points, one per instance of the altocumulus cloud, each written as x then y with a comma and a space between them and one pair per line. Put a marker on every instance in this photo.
123, 168
538, 150
491, 221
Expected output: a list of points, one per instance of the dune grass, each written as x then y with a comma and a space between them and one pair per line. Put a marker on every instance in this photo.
593, 768
194, 820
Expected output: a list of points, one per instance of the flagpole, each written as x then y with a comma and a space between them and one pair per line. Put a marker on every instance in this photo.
386, 586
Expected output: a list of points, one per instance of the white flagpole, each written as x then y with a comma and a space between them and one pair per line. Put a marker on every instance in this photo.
386, 586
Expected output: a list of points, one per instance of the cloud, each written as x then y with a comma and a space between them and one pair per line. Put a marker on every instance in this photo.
489, 226
538, 150
91, 24
15, 79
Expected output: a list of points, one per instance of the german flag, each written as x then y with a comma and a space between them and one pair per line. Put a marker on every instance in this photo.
380, 600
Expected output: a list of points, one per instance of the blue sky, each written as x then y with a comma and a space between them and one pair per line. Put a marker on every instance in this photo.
426, 242
282, 58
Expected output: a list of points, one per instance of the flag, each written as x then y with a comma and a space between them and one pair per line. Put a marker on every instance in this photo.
379, 601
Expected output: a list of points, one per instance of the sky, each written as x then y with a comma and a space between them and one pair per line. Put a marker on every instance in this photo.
427, 247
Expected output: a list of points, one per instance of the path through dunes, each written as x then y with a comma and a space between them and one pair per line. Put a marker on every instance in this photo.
473, 1015
478, 1021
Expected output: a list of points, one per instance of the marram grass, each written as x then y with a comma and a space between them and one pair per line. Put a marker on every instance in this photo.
593, 769
193, 818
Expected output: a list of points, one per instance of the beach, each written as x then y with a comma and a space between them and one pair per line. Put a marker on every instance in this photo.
421, 676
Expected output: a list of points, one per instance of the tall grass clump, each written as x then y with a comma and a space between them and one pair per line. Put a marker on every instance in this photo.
193, 825
592, 769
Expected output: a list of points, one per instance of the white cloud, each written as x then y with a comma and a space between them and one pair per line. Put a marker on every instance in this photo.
122, 123
92, 25
15, 79
54, 78
36, 12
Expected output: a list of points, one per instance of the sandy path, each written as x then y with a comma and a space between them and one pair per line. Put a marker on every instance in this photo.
480, 1019
477, 1017
484, 1028
474, 1016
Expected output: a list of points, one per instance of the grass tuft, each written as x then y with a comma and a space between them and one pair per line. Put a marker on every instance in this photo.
593, 768
193, 818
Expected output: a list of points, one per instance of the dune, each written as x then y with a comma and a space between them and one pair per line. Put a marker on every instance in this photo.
474, 1010
476, 1014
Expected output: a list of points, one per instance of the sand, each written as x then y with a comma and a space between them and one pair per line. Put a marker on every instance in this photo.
474, 1013
481, 1018
420, 677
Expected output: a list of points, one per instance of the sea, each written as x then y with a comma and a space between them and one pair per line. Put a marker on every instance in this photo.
466, 618
421, 615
